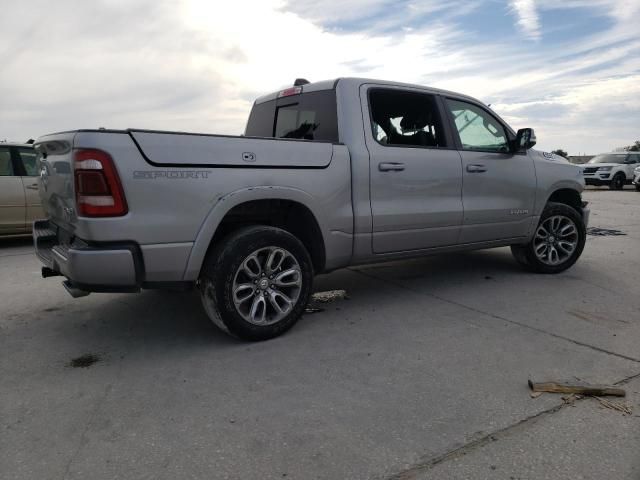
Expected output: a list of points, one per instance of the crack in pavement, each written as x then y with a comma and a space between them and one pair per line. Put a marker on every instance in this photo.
498, 317
82, 441
427, 464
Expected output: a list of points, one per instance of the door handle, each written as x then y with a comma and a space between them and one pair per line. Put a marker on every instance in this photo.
33, 187
476, 168
390, 167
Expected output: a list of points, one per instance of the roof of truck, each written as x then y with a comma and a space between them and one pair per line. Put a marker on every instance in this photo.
330, 84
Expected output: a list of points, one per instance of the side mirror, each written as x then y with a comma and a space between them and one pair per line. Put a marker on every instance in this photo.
525, 139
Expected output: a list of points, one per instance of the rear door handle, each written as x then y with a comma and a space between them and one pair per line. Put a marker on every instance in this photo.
33, 187
476, 168
390, 167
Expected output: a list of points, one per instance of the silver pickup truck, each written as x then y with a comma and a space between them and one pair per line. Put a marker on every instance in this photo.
327, 175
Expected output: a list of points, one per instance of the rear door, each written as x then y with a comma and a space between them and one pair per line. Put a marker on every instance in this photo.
12, 199
415, 172
498, 187
29, 173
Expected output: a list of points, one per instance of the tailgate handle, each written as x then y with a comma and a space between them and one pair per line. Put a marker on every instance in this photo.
390, 167
476, 168
33, 187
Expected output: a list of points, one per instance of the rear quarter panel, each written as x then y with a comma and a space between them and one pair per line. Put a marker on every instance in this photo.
174, 210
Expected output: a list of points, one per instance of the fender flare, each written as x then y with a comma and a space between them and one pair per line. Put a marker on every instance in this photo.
566, 184
224, 204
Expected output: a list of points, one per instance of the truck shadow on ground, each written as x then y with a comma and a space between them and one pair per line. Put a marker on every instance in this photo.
165, 320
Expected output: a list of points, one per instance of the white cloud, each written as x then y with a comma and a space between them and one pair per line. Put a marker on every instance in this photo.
196, 65
528, 18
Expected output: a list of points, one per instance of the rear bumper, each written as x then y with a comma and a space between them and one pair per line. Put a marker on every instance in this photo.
104, 268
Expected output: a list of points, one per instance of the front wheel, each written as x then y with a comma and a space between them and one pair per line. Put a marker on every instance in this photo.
557, 243
617, 182
256, 283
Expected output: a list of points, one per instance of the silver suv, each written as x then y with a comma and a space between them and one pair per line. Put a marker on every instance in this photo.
614, 169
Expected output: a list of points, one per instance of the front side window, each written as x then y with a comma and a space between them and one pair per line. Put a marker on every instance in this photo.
477, 128
28, 159
6, 166
405, 119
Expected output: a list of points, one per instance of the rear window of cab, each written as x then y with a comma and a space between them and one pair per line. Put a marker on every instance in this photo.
307, 116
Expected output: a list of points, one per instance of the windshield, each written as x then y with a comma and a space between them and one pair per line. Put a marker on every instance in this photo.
608, 158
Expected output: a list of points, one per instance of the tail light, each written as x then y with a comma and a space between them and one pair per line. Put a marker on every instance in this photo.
98, 189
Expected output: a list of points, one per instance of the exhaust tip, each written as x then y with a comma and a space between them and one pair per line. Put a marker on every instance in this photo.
73, 290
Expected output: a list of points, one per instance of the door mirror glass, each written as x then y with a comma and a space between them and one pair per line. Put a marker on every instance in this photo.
525, 139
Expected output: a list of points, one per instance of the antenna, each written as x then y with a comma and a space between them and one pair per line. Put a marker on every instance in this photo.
300, 81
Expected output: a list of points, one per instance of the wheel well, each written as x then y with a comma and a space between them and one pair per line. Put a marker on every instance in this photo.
568, 197
291, 216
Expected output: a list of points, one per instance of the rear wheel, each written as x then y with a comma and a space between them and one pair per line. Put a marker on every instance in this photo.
557, 243
617, 182
256, 284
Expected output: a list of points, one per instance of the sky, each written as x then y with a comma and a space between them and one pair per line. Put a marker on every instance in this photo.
570, 69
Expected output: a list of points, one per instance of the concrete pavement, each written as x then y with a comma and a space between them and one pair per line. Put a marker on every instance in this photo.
412, 377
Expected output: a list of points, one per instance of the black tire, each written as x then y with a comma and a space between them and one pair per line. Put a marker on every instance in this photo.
525, 254
617, 182
219, 271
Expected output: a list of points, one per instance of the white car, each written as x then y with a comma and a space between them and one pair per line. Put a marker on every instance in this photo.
614, 169
636, 178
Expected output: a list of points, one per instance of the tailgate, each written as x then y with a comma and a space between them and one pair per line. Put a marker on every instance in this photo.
55, 184
170, 149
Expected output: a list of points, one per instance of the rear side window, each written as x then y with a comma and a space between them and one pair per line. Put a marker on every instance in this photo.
6, 166
402, 118
28, 159
309, 116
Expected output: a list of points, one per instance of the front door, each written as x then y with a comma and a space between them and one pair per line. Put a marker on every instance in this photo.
12, 202
415, 174
498, 187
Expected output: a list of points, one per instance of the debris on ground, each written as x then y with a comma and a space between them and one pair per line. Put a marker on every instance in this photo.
535, 394
604, 232
577, 388
84, 361
620, 407
329, 296
311, 309
571, 399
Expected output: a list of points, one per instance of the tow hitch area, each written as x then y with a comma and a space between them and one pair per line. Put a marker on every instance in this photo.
49, 272
74, 291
